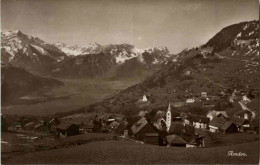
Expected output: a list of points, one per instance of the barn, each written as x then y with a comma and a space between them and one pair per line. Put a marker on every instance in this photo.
67, 129
144, 130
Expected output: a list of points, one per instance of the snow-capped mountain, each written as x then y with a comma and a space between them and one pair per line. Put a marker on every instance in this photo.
121, 52
76, 50
114, 60
228, 61
29, 52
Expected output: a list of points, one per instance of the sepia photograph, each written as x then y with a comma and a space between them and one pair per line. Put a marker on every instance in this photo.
129, 81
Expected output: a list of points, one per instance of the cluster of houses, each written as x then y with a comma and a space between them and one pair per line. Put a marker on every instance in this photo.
168, 128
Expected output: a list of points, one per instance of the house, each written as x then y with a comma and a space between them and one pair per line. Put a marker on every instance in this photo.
178, 104
18, 125
97, 126
242, 123
187, 132
198, 121
130, 122
228, 127
216, 123
245, 99
204, 95
118, 126
212, 114
245, 114
177, 128
53, 123
141, 128
176, 140
86, 127
29, 125
190, 100
67, 129
144, 98
38, 127
151, 138
104, 118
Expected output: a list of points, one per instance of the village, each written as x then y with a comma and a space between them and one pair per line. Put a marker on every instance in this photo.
167, 126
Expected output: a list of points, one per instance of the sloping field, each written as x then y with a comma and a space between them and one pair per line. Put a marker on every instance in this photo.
126, 152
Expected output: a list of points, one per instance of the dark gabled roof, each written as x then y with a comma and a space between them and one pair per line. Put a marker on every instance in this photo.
139, 125
151, 134
64, 126
177, 128
175, 139
29, 124
38, 125
218, 122
226, 125
239, 121
190, 130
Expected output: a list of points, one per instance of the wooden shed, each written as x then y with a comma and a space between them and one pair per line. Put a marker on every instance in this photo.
67, 129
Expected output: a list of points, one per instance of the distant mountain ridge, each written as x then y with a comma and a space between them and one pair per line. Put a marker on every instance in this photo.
30, 53
228, 61
93, 60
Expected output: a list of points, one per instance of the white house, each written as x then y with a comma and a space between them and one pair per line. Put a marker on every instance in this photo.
212, 114
144, 98
203, 94
190, 100
245, 99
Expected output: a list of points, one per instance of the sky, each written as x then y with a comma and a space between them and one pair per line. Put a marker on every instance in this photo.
176, 24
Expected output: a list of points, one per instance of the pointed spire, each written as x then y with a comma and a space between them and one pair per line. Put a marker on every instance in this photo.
169, 107
168, 118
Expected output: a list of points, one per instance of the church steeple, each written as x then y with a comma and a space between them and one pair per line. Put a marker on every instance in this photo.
168, 118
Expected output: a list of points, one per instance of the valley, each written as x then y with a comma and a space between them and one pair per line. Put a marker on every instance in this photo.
74, 94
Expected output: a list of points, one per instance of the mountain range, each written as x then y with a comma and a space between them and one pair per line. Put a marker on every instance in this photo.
227, 62
94, 60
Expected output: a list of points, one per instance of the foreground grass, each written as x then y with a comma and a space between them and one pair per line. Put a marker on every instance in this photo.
126, 152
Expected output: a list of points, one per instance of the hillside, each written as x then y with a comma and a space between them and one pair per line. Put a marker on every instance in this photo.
212, 68
126, 152
16, 82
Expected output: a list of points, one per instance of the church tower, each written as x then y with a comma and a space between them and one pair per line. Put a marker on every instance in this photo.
168, 118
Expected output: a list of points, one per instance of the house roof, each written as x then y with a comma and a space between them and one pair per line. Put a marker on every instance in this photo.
239, 121
217, 113
29, 124
104, 116
177, 128
226, 125
175, 139
152, 134
218, 122
38, 125
64, 126
139, 125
